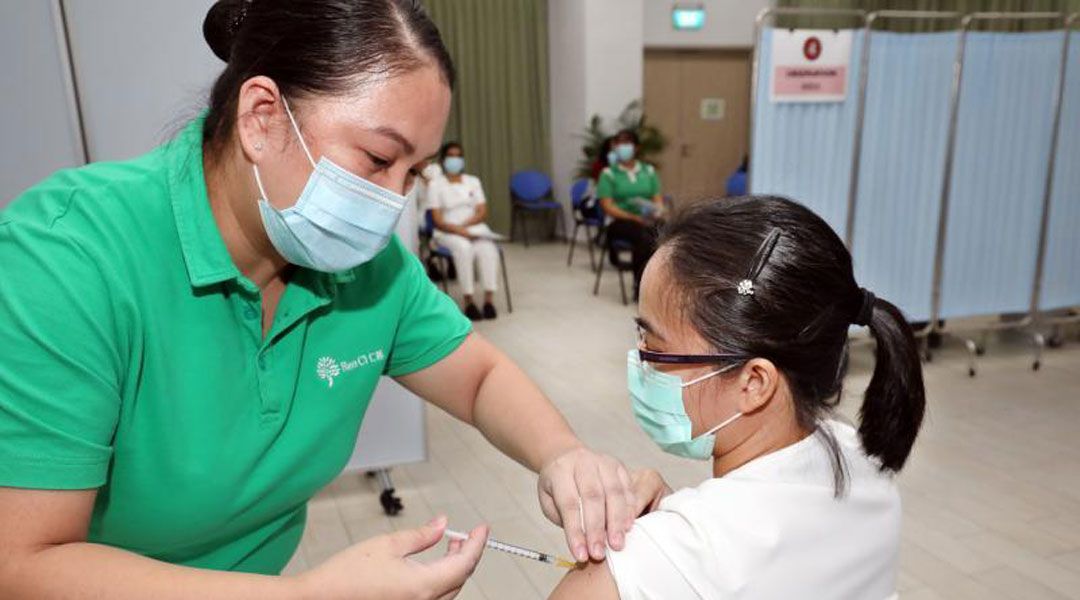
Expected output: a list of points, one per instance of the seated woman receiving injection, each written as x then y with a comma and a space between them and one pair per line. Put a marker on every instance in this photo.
744, 319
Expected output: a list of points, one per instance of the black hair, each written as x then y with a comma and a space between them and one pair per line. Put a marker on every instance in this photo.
447, 147
605, 147
314, 47
633, 135
804, 298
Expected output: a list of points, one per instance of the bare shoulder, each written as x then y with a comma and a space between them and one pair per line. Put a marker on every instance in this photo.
592, 581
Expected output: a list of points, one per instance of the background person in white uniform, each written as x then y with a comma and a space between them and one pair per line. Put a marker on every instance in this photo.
744, 317
458, 206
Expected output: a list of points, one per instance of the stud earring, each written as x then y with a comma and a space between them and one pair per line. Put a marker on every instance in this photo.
258, 146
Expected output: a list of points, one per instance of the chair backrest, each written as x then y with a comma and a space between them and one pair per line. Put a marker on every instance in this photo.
579, 192
530, 186
736, 184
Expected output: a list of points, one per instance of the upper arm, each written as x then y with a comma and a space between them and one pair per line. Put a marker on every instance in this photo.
594, 581
605, 185
34, 519
430, 326
480, 197
608, 204
434, 194
662, 554
437, 217
453, 383
61, 365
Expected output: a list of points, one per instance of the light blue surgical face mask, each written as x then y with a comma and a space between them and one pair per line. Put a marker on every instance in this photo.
612, 158
454, 165
340, 221
625, 152
657, 400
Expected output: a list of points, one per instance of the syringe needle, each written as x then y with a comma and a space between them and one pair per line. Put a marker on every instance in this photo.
494, 544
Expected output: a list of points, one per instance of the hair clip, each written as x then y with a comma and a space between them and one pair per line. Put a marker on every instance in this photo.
745, 286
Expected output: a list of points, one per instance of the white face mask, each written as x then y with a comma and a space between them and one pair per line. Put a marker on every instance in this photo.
340, 220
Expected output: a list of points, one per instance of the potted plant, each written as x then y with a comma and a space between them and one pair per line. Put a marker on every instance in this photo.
632, 117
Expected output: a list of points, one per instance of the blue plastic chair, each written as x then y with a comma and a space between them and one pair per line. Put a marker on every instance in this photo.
531, 194
736, 183
442, 254
587, 215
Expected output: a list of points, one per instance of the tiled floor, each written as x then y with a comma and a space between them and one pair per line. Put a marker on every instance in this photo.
991, 494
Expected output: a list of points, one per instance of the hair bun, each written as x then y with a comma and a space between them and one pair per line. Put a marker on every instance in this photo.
221, 24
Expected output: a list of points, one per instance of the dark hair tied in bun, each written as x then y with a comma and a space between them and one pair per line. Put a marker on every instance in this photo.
222, 22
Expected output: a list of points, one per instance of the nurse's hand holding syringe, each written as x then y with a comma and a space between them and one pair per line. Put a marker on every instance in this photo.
384, 567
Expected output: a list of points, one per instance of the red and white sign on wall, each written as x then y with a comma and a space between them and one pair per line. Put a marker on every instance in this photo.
810, 65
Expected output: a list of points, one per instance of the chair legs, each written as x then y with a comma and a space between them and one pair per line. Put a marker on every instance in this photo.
599, 272
589, 243
560, 222
622, 286
573, 242
506, 281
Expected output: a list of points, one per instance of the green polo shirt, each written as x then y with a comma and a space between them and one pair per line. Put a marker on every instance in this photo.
629, 187
133, 361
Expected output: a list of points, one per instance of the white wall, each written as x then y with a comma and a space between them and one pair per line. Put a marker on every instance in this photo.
566, 46
143, 70
728, 24
596, 54
614, 55
38, 129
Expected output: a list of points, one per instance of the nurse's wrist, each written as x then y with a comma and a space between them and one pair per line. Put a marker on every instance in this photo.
298, 587
560, 449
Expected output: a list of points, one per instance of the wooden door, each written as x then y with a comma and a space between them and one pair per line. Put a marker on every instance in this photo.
701, 101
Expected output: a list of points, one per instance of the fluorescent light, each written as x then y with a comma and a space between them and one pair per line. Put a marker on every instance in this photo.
688, 17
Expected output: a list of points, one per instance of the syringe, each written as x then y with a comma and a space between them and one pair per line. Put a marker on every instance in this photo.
550, 559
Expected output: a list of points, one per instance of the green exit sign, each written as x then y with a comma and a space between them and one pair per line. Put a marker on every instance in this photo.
688, 17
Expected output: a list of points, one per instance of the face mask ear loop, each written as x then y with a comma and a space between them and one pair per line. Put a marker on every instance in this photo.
727, 422
258, 182
299, 135
708, 375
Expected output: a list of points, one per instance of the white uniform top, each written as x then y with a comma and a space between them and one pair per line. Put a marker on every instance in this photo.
770, 529
458, 201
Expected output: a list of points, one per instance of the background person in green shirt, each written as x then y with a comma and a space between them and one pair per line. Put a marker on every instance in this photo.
629, 193
175, 384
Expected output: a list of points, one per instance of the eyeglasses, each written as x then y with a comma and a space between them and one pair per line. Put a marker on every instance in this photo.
648, 356
663, 358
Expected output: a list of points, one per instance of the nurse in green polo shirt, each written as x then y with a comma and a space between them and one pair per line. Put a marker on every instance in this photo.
189, 340
629, 193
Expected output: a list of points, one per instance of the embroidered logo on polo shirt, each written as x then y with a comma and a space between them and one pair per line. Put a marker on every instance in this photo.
329, 368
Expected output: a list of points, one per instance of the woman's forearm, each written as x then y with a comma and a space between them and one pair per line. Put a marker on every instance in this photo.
512, 412
615, 212
93, 571
478, 215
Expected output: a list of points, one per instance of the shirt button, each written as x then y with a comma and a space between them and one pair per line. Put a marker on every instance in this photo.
250, 313
262, 362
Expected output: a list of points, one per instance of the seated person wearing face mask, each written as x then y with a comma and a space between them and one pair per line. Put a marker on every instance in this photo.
458, 207
744, 320
629, 193
428, 172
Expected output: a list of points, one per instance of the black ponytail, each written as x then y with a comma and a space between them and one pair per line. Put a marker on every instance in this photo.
895, 400
765, 276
